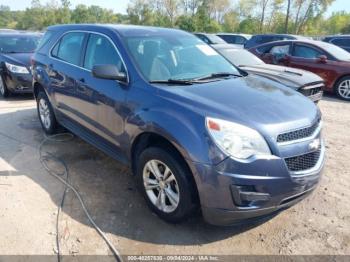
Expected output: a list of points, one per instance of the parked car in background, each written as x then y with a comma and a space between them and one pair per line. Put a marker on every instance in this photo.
5, 30
342, 41
16, 48
238, 39
256, 40
195, 132
215, 41
329, 61
307, 83
210, 39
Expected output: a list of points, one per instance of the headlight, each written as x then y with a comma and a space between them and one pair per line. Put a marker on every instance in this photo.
17, 69
236, 140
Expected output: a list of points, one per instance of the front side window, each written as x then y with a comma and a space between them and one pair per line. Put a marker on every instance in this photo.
69, 48
177, 56
306, 52
18, 43
100, 51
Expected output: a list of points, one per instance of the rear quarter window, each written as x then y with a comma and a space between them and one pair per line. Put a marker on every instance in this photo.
45, 39
69, 48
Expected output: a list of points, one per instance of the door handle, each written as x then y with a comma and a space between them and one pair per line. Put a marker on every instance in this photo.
82, 80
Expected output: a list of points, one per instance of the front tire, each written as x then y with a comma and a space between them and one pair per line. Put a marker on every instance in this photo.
3, 88
342, 88
46, 114
166, 184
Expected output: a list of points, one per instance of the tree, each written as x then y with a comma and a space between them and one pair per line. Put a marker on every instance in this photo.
263, 5
287, 17
186, 22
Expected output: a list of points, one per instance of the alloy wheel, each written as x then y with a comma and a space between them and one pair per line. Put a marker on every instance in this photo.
44, 112
161, 186
344, 89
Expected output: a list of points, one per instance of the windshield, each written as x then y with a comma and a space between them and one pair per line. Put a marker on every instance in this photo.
174, 56
241, 57
18, 44
336, 51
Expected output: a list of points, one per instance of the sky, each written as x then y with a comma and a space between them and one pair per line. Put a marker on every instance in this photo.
121, 5
118, 6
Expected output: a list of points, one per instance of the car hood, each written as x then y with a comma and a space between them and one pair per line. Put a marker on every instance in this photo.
254, 101
291, 77
18, 58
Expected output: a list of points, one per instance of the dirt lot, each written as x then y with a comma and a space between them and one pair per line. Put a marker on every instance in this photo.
29, 198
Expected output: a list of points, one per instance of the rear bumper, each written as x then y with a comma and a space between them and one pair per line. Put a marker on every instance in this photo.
19, 83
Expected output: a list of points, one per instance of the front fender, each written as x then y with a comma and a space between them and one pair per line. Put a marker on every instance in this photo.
185, 130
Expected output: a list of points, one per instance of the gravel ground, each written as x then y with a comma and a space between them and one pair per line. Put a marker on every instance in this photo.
29, 198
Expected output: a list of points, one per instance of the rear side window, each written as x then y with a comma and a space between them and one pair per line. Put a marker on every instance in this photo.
100, 51
306, 52
229, 38
69, 48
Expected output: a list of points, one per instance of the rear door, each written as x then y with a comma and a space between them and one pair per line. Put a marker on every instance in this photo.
103, 100
64, 70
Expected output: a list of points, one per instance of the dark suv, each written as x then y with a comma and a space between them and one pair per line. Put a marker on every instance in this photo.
342, 41
195, 132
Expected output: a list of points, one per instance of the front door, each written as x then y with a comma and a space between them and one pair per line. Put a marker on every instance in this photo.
102, 100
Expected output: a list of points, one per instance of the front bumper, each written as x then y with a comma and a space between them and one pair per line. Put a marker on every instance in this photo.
235, 191
18, 83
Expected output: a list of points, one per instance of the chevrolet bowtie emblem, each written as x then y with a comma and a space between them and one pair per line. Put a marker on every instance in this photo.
314, 145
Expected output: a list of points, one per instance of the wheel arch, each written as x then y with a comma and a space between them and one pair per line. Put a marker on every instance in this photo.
151, 139
336, 82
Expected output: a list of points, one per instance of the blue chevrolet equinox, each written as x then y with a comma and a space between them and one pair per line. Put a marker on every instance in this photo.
198, 133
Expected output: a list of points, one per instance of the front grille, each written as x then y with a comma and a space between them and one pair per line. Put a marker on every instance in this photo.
298, 134
303, 162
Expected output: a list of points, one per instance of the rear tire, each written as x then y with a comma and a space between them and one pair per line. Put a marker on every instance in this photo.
342, 88
3, 88
46, 114
170, 193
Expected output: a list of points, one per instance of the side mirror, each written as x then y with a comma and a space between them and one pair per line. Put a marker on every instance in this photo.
110, 72
322, 59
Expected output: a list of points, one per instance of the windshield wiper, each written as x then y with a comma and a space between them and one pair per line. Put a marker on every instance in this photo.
172, 82
217, 75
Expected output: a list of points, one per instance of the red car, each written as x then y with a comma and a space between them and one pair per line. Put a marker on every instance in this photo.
330, 62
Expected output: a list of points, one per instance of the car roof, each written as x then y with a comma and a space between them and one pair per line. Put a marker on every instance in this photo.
238, 34
336, 36
320, 44
126, 30
288, 35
